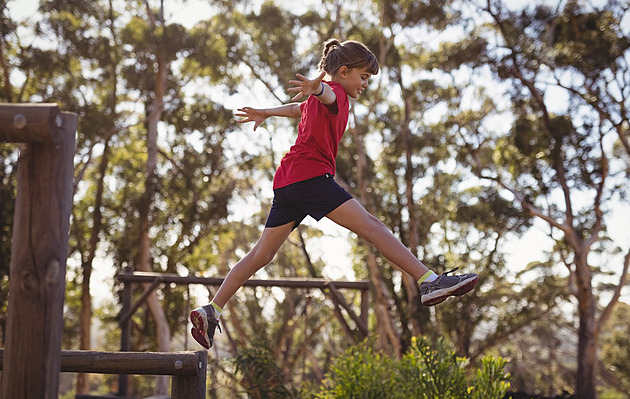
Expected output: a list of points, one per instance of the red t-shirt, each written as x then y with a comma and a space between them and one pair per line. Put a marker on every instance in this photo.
319, 134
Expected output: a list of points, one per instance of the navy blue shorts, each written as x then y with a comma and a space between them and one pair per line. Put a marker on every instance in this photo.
316, 197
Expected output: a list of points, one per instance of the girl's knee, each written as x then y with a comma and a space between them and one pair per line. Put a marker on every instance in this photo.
262, 257
371, 229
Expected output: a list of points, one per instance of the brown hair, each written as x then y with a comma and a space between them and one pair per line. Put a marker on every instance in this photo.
350, 53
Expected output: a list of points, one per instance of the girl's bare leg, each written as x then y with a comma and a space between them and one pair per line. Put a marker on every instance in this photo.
354, 217
262, 253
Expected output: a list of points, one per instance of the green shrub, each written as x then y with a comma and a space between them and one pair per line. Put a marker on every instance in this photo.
359, 373
491, 381
424, 372
427, 372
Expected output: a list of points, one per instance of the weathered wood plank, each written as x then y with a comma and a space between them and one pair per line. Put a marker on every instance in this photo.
30, 123
136, 363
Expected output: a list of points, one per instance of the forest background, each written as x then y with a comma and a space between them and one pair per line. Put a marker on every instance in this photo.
495, 139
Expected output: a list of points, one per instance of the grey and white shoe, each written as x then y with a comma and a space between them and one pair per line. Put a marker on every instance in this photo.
434, 292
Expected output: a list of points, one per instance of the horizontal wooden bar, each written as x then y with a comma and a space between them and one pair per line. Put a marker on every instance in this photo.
148, 277
30, 123
137, 363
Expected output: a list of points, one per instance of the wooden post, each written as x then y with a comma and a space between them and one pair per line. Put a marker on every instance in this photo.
39, 248
191, 386
125, 331
365, 306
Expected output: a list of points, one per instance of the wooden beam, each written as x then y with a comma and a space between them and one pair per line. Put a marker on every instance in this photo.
30, 123
38, 267
137, 363
148, 277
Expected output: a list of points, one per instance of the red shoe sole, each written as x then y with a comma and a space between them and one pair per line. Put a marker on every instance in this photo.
198, 331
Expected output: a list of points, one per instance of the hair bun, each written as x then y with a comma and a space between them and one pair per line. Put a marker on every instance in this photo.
330, 45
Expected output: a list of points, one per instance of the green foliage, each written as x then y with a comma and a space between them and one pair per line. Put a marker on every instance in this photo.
360, 373
425, 372
588, 41
491, 380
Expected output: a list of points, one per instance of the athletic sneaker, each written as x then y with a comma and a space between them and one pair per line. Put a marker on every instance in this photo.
204, 322
434, 292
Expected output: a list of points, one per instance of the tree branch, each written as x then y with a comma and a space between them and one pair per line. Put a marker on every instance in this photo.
597, 206
623, 280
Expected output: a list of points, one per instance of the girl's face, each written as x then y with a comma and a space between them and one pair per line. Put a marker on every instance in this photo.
354, 80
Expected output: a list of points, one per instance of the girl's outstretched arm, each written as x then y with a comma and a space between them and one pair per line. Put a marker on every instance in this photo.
259, 115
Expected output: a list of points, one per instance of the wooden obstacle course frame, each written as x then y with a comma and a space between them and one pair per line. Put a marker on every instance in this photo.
330, 286
188, 369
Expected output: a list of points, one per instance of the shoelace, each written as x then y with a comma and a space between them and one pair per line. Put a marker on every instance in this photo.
450, 271
218, 325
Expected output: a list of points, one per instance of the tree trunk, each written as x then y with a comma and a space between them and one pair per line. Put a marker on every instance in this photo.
411, 286
85, 317
388, 336
587, 333
144, 256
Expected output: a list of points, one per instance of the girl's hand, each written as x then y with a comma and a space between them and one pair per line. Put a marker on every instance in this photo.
251, 115
306, 87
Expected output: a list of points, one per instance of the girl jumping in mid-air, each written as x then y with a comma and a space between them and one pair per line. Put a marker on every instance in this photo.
303, 184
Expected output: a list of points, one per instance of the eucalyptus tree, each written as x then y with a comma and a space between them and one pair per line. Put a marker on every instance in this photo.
93, 58
414, 184
185, 185
558, 163
102, 73
53, 59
